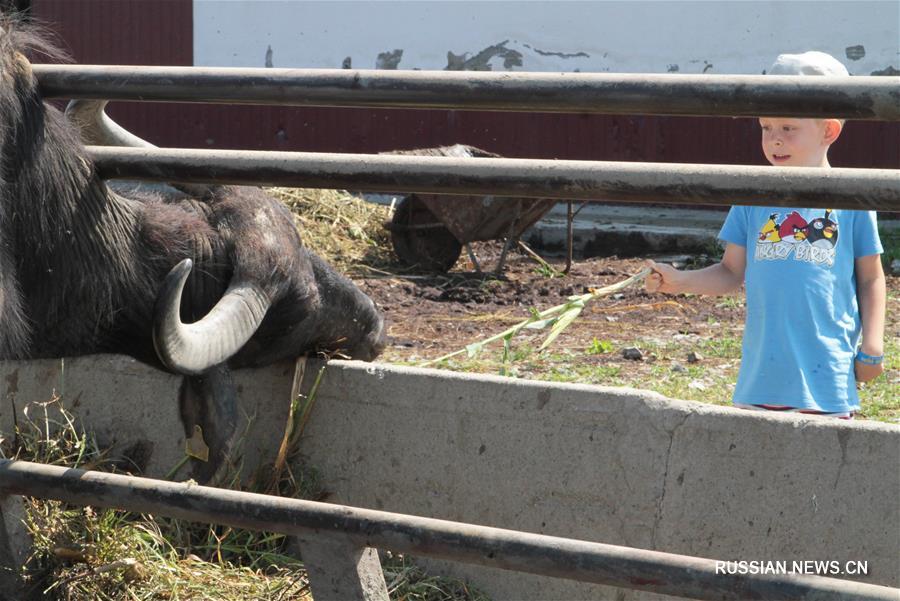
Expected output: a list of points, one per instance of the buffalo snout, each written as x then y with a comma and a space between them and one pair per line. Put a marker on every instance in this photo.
374, 342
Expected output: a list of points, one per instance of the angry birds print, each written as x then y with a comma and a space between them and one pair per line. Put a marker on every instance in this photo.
823, 232
793, 229
769, 231
811, 241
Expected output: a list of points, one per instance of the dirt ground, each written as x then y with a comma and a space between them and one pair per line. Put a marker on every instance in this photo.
431, 315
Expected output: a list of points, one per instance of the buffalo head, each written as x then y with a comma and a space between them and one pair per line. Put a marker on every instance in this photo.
194, 275
190, 278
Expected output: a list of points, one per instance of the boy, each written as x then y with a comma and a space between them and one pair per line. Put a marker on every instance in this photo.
813, 276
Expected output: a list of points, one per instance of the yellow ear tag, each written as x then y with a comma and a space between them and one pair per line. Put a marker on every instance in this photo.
195, 446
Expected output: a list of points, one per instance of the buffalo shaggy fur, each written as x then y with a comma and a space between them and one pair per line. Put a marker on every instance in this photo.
81, 266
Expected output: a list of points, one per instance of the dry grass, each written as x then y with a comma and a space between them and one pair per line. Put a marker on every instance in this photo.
342, 228
85, 553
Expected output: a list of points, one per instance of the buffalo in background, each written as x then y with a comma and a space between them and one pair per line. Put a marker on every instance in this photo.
85, 269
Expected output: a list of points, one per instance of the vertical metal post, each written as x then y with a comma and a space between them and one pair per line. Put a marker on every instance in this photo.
472, 257
570, 218
342, 571
509, 239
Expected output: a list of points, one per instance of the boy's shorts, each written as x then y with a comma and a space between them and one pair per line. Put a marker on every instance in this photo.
839, 414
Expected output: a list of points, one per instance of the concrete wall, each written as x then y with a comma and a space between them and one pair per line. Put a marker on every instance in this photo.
618, 36
613, 465
135, 408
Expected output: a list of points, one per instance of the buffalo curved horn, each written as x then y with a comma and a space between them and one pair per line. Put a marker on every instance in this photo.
97, 128
194, 348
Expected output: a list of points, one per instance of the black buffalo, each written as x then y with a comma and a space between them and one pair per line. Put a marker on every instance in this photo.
84, 269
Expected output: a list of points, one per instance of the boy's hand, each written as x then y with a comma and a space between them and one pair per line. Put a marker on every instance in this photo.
663, 279
866, 372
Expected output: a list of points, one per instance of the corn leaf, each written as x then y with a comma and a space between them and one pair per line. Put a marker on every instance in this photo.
557, 318
540, 325
562, 323
473, 349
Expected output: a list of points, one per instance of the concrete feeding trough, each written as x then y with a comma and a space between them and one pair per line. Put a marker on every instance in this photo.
613, 465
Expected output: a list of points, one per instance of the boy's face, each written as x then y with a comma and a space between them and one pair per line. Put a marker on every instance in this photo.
798, 142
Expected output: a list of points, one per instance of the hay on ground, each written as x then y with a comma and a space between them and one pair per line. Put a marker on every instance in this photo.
343, 229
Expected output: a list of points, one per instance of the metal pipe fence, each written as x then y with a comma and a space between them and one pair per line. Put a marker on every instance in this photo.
351, 527
862, 97
867, 189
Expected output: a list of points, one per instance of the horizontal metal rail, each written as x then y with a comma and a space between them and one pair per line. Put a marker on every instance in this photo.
587, 180
864, 97
598, 563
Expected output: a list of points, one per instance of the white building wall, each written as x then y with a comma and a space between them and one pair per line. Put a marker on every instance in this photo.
622, 36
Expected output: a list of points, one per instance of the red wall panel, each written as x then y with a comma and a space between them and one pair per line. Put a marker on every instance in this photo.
160, 32
127, 32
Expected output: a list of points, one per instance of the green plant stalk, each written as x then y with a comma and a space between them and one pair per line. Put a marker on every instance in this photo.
547, 314
295, 426
307, 408
281, 456
554, 273
178, 465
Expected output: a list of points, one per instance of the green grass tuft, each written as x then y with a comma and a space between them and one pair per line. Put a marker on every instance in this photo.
890, 240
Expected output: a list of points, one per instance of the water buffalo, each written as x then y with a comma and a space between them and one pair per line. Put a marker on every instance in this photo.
85, 269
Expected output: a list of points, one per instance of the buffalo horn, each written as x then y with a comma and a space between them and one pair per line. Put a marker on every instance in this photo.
194, 348
97, 128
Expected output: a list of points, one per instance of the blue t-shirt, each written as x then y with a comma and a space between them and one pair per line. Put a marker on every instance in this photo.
803, 323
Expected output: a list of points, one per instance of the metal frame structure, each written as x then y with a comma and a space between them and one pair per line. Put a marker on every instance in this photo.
867, 189
865, 97
324, 528
337, 541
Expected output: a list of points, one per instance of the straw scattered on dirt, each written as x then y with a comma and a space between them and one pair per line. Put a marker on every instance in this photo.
343, 228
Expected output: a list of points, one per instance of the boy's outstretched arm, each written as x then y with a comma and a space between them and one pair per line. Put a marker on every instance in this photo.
871, 294
721, 278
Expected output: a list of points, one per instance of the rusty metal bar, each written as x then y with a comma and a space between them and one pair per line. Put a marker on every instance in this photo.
598, 563
863, 97
868, 189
